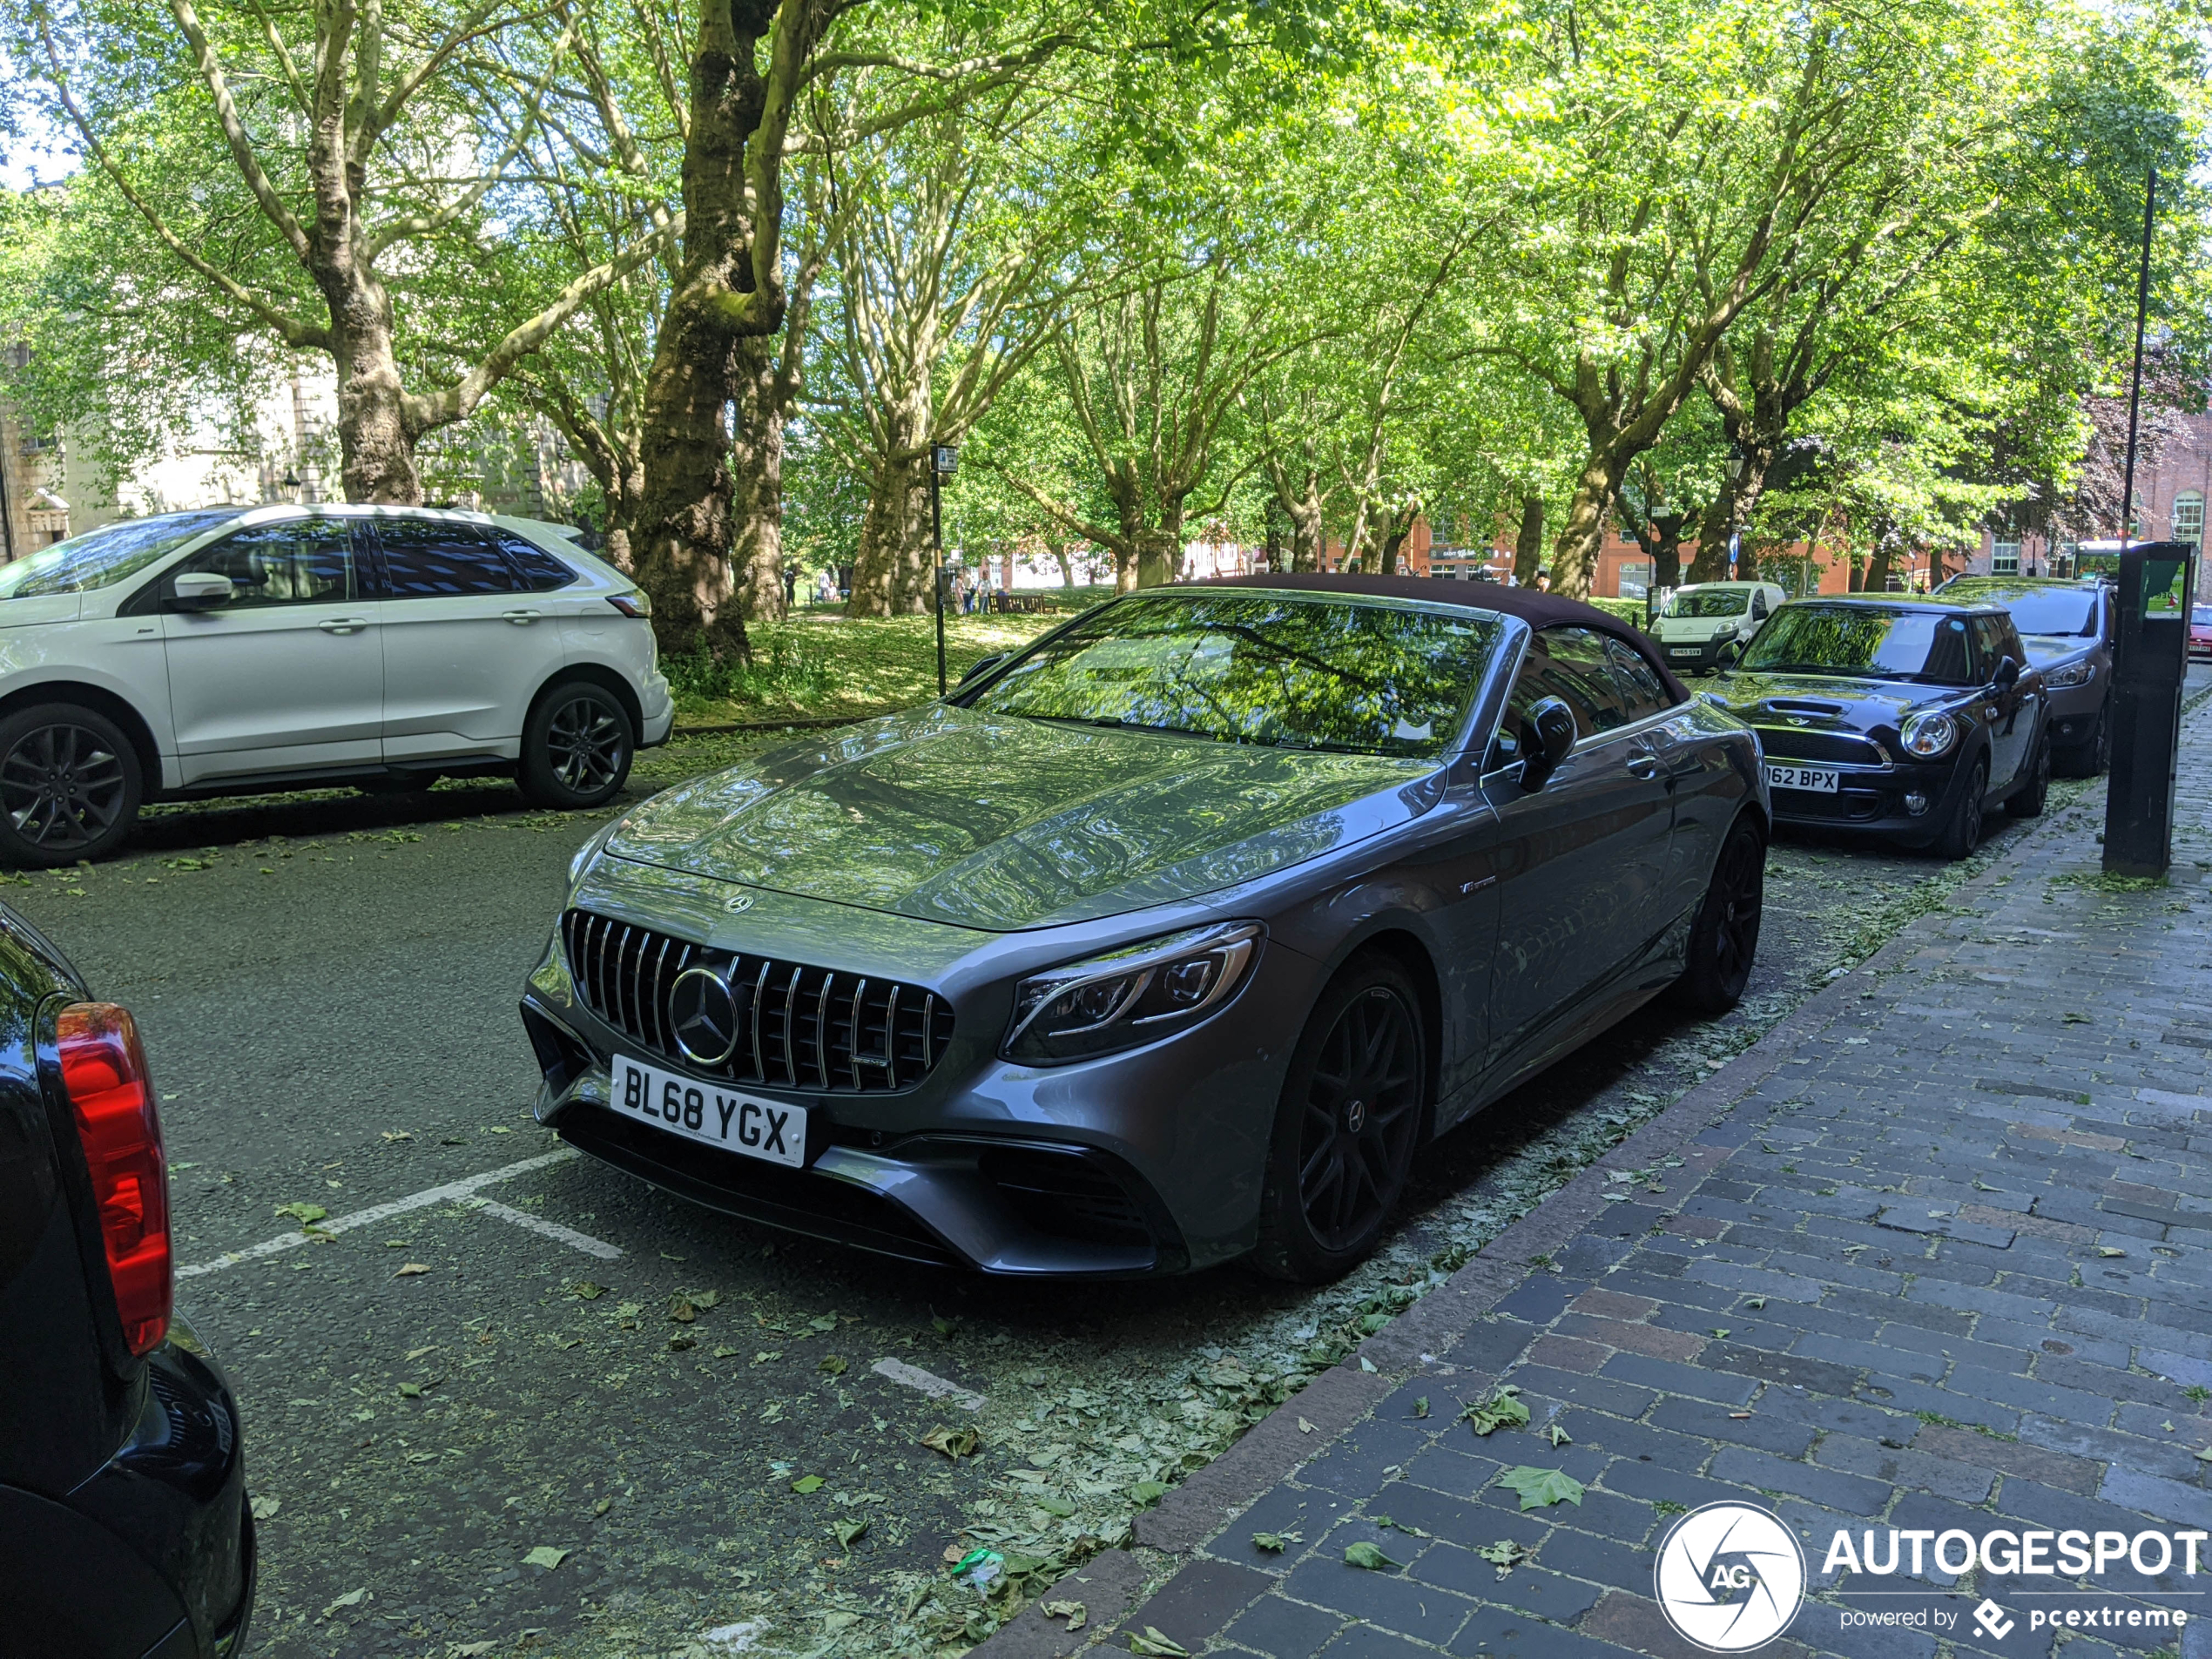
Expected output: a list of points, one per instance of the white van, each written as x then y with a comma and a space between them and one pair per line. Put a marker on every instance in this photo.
1701, 618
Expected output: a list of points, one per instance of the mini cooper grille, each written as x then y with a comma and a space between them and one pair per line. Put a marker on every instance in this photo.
798, 1026
1786, 742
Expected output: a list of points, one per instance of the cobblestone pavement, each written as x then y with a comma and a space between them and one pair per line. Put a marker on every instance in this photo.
1931, 1255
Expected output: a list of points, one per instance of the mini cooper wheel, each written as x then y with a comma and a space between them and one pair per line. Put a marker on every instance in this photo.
1963, 834
69, 785
1345, 1134
2027, 800
2092, 757
577, 746
1725, 939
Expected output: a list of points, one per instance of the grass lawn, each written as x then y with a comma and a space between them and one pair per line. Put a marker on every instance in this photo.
825, 666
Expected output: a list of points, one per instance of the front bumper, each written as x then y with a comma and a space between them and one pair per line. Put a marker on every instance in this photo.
1147, 1162
1871, 800
660, 713
1692, 656
2075, 711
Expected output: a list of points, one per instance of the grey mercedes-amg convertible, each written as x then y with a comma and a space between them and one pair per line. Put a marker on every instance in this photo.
1168, 939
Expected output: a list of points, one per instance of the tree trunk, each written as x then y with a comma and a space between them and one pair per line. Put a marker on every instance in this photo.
1877, 579
1529, 545
679, 534
891, 572
1582, 538
757, 463
1709, 564
1397, 528
375, 446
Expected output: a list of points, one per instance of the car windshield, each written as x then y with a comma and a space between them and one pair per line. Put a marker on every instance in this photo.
111, 554
1253, 667
1708, 602
2202, 616
2048, 611
1924, 645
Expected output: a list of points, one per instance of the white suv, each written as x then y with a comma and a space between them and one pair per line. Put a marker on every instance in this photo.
235, 650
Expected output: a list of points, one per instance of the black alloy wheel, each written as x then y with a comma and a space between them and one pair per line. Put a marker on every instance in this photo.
2027, 800
1351, 1117
69, 787
576, 747
1724, 939
1963, 834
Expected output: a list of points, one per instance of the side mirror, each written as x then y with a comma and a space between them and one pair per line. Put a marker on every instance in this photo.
202, 590
2007, 674
1729, 653
982, 665
1546, 735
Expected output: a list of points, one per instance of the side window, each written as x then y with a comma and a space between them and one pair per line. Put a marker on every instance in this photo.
424, 559
296, 562
541, 571
1575, 665
1758, 604
1641, 687
1989, 646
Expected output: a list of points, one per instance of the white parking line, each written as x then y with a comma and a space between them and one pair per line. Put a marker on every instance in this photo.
553, 1230
930, 1384
375, 1213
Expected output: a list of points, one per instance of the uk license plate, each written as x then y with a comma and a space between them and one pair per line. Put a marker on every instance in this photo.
709, 1114
1685, 651
1820, 779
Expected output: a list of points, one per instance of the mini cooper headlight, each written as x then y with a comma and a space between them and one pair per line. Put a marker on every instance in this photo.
1134, 995
1928, 735
2080, 673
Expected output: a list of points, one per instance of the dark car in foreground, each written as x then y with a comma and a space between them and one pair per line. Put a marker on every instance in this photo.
1905, 717
125, 1530
2067, 629
1170, 940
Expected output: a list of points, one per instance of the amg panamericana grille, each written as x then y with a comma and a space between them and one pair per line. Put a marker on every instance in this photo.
798, 1026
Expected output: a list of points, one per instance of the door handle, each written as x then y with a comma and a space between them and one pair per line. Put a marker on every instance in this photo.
342, 625
522, 617
1643, 766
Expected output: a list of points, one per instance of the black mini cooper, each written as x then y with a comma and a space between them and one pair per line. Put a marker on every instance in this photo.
1909, 718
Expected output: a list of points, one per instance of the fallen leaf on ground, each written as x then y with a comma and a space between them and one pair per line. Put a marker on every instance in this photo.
306, 1214
1053, 1506
952, 1442
352, 1598
726, 1353
1157, 1644
397, 1135
807, 1483
1366, 1555
1538, 1488
1420, 1407
832, 1365
1501, 1410
546, 1556
586, 1290
682, 1309
1560, 1436
1145, 1492
846, 1531
411, 1391
1502, 1554
1273, 1542
680, 1342
1304, 1427
2110, 1249
410, 1269
1076, 1614
265, 1508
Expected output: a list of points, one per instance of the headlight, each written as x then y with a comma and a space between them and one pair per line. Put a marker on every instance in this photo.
1131, 996
1929, 735
589, 850
2080, 673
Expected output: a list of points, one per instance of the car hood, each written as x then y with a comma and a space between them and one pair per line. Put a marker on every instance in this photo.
2043, 649
42, 607
1001, 823
1817, 702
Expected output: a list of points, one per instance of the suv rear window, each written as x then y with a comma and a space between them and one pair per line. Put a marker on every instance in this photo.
425, 559
541, 571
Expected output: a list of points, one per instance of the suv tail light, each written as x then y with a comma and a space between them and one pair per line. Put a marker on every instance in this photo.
104, 1073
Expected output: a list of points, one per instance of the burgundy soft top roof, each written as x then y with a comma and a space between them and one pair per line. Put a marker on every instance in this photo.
1537, 609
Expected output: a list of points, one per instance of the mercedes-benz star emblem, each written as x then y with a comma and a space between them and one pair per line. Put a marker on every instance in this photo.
737, 903
703, 1010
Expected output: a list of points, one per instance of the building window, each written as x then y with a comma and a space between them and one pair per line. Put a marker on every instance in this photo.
2188, 516
2005, 559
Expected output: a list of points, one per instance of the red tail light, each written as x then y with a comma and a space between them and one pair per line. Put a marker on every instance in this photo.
103, 1071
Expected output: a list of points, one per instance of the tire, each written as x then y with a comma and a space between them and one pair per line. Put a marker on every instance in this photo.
1963, 834
69, 785
2092, 757
2027, 800
1724, 939
577, 746
1350, 1116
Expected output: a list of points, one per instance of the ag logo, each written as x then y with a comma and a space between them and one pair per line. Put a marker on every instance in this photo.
1729, 1577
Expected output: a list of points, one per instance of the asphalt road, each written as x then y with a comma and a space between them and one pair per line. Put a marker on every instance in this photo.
679, 1413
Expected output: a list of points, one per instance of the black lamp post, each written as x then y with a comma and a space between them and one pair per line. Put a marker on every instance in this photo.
944, 461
